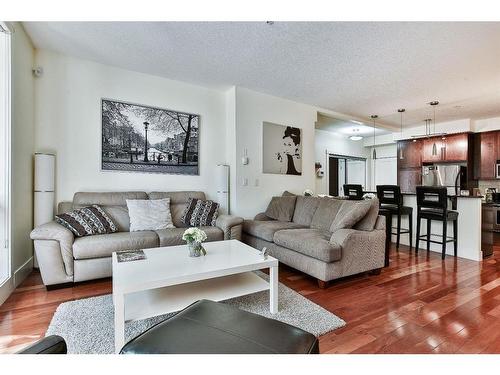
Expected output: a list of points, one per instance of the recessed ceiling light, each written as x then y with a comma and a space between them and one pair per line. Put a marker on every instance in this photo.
357, 122
355, 136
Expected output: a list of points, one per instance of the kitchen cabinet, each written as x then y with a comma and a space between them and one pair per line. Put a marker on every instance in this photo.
456, 147
412, 153
427, 156
409, 179
485, 155
450, 148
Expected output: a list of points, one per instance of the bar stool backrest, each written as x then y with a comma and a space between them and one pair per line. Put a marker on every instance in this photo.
431, 197
353, 192
389, 195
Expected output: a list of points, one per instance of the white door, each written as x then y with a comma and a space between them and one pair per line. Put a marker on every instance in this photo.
4, 156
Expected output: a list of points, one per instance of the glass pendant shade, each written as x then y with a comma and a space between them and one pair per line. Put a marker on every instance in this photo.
401, 156
434, 149
374, 154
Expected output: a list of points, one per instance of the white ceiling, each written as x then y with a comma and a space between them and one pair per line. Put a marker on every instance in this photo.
346, 128
356, 68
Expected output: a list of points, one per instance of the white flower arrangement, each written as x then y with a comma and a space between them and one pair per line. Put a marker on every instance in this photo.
194, 234
369, 196
308, 193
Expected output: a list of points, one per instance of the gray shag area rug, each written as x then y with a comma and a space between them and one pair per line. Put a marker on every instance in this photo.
87, 324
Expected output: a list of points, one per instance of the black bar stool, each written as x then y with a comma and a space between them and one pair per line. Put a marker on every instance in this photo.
353, 192
391, 200
432, 204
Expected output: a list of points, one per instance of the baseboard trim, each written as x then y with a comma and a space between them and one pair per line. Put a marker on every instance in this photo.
6, 289
22, 272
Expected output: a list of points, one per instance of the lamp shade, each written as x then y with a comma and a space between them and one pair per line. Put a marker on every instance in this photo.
222, 180
44, 172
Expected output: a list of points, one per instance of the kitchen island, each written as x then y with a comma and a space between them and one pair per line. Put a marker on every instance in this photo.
469, 226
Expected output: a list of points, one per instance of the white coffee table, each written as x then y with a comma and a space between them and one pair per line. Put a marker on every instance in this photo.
169, 280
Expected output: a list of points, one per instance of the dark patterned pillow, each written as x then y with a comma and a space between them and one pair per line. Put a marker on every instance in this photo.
200, 213
87, 221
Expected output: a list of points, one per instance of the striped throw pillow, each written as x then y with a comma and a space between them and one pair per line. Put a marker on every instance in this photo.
87, 221
200, 213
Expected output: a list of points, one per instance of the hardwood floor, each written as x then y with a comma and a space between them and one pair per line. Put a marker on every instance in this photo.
416, 305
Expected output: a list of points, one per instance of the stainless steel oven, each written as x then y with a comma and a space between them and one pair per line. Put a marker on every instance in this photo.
498, 169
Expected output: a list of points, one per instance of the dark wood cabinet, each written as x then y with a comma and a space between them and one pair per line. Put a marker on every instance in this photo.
453, 147
428, 144
456, 147
409, 179
412, 153
486, 155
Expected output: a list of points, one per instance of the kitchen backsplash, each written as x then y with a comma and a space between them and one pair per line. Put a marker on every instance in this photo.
483, 184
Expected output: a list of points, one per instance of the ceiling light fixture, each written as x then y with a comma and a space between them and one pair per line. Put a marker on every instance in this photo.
434, 146
374, 154
355, 137
428, 123
401, 156
357, 122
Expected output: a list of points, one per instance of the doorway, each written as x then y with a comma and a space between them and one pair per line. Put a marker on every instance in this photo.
345, 170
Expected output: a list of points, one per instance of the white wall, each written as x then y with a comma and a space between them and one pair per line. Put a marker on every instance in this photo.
383, 170
22, 147
333, 143
485, 125
68, 118
252, 108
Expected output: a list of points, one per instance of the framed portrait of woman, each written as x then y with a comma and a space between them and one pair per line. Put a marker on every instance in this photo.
282, 149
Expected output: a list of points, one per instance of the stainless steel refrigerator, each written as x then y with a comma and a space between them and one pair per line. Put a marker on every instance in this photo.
451, 176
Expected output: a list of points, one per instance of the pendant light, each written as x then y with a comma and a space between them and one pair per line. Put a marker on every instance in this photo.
434, 146
401, 156
374, 155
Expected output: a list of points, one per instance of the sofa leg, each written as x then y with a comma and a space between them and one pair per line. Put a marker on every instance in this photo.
323, 284
376, 271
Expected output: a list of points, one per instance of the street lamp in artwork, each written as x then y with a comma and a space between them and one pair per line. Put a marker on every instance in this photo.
146, 124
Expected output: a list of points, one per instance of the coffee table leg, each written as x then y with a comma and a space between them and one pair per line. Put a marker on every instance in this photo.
273, 289
119, 322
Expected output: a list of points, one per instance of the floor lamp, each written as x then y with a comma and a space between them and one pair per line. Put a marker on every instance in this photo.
44, 190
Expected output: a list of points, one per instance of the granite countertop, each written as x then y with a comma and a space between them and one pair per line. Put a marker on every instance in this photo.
449, 196
453, 196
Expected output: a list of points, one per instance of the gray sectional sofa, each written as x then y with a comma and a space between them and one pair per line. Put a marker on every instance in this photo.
307, 242
64, 258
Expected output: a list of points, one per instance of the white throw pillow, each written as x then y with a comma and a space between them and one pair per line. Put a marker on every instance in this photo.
149, 214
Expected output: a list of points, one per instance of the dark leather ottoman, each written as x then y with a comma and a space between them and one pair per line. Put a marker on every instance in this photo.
208, 327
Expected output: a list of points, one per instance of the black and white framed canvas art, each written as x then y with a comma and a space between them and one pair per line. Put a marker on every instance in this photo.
139, 138
282, 149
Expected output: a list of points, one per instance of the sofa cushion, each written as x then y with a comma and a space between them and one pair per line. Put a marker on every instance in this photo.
173, 237
349, 214
281, 208
103, 245
305, 207
178, 202
199, 212
312, 242
368, 222
119, 215
82, 199
149, 214
87, 221
266, 229
325, 213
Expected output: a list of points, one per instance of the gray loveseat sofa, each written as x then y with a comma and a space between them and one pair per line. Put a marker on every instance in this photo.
307, 244
64, 258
